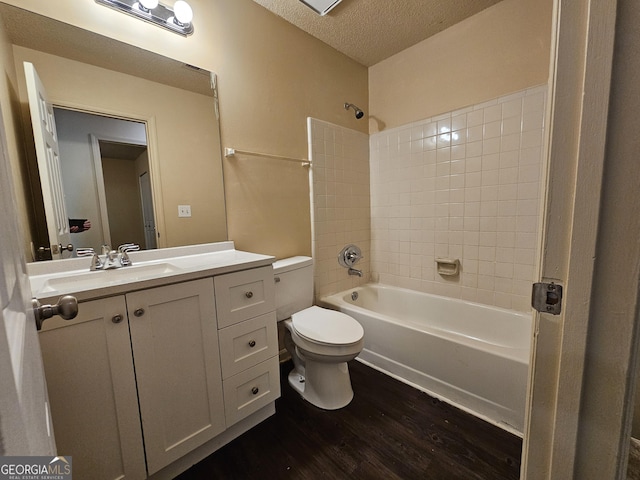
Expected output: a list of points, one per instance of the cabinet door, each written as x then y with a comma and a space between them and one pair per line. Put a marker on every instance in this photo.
92, 391
175, 349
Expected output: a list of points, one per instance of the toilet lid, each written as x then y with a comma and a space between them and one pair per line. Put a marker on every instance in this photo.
322, 325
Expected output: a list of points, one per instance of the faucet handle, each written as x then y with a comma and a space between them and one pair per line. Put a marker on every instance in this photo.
349, 256
96, 263
128, 247
85, 251
125, 261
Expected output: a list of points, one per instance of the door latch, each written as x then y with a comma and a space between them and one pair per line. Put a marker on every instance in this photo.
547, 298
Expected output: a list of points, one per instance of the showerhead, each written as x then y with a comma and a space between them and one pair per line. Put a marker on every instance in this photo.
359, 113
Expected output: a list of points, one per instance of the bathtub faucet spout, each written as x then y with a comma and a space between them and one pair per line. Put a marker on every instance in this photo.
353, 271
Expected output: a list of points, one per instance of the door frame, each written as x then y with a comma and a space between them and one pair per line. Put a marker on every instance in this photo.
584, 362
152, 149
99, 176
144, 193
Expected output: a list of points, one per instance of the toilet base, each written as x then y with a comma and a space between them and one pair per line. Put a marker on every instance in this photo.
297, 381
325, 385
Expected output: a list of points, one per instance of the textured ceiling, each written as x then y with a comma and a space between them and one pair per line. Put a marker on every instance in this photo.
368, 31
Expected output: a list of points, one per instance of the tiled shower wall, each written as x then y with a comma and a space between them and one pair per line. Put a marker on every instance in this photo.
340, 203
462, 185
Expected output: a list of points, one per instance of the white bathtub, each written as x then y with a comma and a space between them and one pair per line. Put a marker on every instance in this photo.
473, 356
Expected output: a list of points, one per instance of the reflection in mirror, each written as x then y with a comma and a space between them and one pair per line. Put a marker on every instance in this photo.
104, 164
86, 72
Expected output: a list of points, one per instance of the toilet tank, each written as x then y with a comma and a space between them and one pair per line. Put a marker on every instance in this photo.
294, 285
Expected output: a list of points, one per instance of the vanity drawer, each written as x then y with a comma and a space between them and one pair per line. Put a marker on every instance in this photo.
243, 295
250, 390
248, 343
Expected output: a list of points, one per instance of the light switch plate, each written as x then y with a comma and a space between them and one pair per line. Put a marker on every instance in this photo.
184, 210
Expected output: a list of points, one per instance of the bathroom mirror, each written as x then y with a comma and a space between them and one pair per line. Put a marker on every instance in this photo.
86, 72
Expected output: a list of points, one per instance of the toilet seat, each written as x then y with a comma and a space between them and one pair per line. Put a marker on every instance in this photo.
327, 327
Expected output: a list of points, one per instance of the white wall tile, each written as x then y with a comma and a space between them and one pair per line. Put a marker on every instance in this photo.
463, 184
469, 185
341, 200
492, 113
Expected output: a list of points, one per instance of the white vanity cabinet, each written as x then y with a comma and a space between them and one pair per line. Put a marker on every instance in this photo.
248, 337
170, 335
92, 391
166, 361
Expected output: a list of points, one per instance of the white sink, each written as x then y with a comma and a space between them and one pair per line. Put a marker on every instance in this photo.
150, 268
104, 278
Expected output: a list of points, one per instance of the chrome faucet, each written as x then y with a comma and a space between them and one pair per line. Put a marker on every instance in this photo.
354, 271
113, 259
348, 257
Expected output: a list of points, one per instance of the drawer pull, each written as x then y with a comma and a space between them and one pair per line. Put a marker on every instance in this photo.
255, 390
252, 343
139, 312
248, 294
116, 318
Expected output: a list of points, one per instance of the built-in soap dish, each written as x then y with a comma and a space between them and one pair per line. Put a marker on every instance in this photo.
449, 267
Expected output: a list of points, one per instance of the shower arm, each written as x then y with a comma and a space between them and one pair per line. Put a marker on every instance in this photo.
358, 112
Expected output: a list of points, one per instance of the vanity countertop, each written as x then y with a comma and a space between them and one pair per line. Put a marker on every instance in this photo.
150, 268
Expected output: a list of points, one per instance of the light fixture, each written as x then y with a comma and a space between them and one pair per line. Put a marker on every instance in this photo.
148, 4
177, 19
321, 7
182, 12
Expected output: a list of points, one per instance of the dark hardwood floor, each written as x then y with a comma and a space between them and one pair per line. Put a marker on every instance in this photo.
389, 431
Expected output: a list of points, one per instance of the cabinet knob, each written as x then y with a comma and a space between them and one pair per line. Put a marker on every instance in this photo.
116, 318
252, 343
248, 294
139, 312
255, 390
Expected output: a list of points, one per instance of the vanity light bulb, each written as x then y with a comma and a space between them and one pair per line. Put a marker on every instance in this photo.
149, 4
183, 12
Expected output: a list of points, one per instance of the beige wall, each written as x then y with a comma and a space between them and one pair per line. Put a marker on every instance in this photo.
278, 76
501, 50
12, 124
271, 77
123, 198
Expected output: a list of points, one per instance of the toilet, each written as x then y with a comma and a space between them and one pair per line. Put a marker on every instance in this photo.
320, 341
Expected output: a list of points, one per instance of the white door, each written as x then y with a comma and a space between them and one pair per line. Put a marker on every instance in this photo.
48, 154
147, 211
25, 423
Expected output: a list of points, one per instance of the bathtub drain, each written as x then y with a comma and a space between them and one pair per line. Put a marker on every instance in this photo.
354, 296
